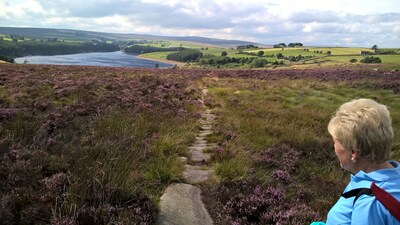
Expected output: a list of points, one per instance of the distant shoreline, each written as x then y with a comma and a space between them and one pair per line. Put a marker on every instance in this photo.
179, 64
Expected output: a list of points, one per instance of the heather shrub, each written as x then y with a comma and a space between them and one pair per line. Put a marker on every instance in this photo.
282, 156
281, 176
247, 202
83, 145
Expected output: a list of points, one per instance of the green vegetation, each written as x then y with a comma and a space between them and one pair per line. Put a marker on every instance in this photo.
185, 55
25, 41
142, 49
371, 59
156, 55
17, 48
6, 59
253, 56
395, 59
290, 45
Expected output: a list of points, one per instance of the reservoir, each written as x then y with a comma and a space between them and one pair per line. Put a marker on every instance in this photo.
115, 59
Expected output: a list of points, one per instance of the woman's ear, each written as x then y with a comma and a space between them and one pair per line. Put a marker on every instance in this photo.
354, 155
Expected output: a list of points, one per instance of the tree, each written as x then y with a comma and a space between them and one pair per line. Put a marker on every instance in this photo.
371, 59
375, 47
353, 60
279, 55
257, 63
297, 44
280, 45
328, 52
260, 53
185, 55
224, 53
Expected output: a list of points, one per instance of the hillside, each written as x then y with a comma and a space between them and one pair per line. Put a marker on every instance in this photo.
88, 35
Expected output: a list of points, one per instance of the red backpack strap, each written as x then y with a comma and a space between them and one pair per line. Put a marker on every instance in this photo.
390, 202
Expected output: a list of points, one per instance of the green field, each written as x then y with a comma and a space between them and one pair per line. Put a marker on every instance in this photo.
297, 51
385, 58
315, 56
156, 55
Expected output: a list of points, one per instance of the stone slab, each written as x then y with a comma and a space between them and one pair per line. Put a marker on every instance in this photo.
196, 174
181, 204
198, 156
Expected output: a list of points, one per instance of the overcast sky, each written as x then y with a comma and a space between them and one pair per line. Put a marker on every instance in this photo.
313, 22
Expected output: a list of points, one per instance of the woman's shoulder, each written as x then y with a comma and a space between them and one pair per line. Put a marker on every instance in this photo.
369, 210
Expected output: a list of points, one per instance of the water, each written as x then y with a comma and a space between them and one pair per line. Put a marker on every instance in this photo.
116, 59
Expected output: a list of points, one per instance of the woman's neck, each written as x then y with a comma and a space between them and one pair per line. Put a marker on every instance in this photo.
368, 166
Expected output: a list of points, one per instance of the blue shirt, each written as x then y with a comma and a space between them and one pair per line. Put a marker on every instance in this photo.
367, 210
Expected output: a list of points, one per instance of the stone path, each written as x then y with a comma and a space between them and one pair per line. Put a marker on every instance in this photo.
181, 203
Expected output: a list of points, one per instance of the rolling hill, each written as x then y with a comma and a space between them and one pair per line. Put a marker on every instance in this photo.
88, 35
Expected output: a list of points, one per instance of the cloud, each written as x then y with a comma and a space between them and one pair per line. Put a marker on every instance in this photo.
311, 16
262, 21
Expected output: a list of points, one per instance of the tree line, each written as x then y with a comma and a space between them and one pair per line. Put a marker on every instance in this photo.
246, 46
142, 49
290, 45
185, 55
252, 62
25, 48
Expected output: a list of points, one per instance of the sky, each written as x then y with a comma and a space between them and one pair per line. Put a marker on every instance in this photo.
347, 23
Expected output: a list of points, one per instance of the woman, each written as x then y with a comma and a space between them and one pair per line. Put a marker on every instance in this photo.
362, 134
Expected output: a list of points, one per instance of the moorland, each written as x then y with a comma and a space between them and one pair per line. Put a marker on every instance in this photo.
99, 145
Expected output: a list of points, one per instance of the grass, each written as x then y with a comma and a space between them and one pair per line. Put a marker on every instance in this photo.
341, 51
257, 115
287, 51
297, 51
285, 110
395, 59
339, 55
156, 55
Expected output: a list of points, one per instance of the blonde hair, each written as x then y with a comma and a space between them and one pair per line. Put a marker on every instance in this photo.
365, 126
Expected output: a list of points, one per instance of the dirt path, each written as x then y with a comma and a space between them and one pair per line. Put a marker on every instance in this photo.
181, 203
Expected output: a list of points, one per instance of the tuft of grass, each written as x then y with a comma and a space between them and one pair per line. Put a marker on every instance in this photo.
163, 171
170, 145
232, 169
